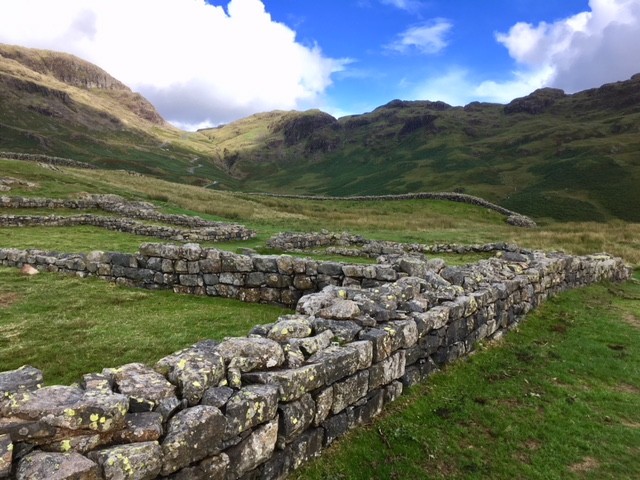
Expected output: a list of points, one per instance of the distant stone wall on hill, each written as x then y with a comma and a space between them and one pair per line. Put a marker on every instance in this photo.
513, 218
36, 157
260, 406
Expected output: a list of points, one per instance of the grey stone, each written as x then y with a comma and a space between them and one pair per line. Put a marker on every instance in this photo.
25, 378
290, 326
332, 269
338, 362
250, 406
57, 466
343, 330
311, 345
263, 352
217, 396
297, 453
6, 455
340, 309
372, 407
348, 391
214, 468
265, 263
324, 401
193, 372
387, 370
295, 417
145, 387
69, 408
256, 449
139, 461
140, 427
293, 383
193, 434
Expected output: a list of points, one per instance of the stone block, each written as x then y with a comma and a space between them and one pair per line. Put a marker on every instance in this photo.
58, 466
6, 455
293, 383
250, 406
140, 427
254, 450
213, 468
324, 401
294, 418
348, 391
192, 435
140, 461
344, 330
387, 370
144, 387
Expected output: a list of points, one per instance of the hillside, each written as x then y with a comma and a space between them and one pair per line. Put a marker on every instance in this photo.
549, 154
57, 104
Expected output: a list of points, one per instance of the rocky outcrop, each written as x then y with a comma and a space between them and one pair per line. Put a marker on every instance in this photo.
535, 103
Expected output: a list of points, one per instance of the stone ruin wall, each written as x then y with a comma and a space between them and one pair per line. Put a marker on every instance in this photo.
260, 406
198, 229
350, 245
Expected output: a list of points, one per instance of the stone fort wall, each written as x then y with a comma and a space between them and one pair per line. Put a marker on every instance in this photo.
260, 406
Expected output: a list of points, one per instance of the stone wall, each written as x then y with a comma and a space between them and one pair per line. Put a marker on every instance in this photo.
260, 406
350, 245
191, 269
513, 218
200, 229
35, 157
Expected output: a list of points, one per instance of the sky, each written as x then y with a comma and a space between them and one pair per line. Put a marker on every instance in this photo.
209, 62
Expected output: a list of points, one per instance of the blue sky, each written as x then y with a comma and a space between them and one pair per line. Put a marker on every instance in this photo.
207, 62
366, 32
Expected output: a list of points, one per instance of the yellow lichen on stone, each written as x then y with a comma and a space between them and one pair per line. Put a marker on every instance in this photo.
65, 445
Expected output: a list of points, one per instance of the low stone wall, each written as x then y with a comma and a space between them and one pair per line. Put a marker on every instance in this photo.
222, 232
344, 243
207, 271
260, 406
201, 230
34, 157
513, 218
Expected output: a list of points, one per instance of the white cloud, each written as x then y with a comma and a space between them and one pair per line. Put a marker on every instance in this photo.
582, 51
198, 63
427, 38
457, 86
411, 6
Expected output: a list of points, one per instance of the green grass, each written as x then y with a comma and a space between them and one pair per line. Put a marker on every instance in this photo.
557, 399
68, 326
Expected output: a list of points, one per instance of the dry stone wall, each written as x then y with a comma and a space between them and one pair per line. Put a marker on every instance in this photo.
198, 228
513, 218
35, 157
349, 245
260, 406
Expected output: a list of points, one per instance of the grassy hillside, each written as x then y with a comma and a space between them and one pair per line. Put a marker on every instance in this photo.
547, 155
567, 157
60, 105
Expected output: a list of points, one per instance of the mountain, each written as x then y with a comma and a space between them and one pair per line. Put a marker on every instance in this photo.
549, 154
58, 104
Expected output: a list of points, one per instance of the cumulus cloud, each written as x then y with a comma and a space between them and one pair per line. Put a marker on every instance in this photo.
198, 63
581, 51
427, 38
